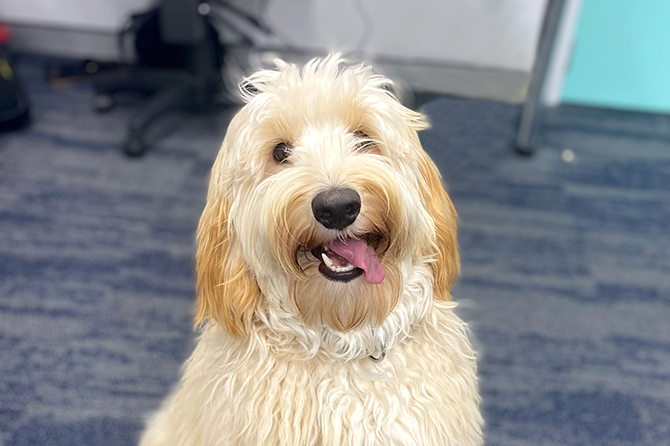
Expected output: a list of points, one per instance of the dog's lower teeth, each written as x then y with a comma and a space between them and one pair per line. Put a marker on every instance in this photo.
341, 269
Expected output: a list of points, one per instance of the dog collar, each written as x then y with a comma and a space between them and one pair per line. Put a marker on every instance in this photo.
381, 356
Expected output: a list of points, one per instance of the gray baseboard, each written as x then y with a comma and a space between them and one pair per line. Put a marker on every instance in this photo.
430, 75
63, 42
419, 75
468, 81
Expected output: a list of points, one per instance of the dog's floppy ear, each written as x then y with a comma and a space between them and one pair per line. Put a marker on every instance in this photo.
227, 291
440, 208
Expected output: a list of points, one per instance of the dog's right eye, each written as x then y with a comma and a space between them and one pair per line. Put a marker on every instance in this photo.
281, 152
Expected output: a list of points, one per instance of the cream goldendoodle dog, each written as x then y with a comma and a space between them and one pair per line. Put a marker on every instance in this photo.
325, 256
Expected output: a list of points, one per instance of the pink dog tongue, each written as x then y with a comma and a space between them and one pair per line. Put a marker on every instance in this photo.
360, 254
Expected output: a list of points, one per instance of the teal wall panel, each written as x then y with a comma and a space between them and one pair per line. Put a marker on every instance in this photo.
621, 57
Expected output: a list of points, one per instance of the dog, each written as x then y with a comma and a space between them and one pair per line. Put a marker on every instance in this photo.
325, 256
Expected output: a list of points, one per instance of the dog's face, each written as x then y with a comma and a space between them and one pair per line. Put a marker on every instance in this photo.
321, 202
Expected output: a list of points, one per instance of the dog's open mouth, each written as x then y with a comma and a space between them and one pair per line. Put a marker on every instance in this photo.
345, 260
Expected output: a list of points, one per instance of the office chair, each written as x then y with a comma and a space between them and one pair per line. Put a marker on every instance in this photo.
179, 65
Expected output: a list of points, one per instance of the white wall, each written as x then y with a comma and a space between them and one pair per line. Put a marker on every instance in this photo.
491, 33
91, 15
498, 34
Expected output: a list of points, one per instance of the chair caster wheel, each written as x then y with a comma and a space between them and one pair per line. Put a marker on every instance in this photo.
524, 151
134, 146
103, 102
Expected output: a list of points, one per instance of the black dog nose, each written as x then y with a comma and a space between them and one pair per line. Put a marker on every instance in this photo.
336, 208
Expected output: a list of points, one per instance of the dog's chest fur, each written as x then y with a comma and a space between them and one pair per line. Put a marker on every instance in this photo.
237, 392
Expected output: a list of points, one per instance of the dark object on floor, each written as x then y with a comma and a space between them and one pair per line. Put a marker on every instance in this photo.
179, 65
59, 73
14, 107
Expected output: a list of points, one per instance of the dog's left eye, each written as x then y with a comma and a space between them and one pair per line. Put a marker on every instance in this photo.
363, 140
281, 152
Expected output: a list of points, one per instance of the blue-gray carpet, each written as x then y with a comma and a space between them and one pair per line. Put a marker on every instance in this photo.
566, 270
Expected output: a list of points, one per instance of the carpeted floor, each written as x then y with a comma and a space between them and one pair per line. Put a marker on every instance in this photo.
566, 270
